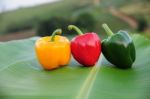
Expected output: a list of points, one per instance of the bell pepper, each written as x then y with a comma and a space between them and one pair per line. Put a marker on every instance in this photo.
118, 48
53, 51
85, 48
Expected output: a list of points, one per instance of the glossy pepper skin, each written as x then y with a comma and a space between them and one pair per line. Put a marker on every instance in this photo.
53, 51
85, 48
118, 48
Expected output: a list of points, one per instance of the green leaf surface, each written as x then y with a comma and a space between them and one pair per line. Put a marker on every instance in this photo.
21, 76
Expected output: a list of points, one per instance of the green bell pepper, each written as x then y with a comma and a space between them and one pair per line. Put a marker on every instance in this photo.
118, 48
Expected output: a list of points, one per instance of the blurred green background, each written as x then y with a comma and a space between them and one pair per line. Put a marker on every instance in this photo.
44, 18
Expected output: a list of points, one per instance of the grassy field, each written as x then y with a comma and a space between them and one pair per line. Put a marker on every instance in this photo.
32, 15
29, 17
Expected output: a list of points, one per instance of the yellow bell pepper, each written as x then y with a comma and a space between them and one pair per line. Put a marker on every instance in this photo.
53, 51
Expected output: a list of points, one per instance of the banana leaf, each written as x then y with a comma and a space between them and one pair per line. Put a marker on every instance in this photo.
22, 77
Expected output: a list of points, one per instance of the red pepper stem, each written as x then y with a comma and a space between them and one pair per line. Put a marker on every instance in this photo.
107, 29
70, 27
56, 32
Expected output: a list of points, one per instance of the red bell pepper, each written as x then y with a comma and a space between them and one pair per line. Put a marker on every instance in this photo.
85, 48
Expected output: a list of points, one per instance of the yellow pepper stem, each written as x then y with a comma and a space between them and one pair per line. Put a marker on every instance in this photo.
56, 32
70, 27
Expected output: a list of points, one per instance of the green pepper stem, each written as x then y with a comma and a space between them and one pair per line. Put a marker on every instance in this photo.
107, 29
70, 27
56, 32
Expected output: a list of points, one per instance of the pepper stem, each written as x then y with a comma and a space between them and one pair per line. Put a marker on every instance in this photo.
56, 32
107, 29
70, 27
